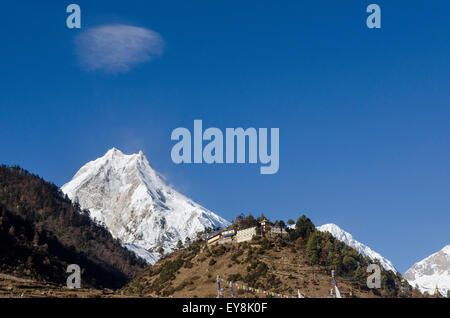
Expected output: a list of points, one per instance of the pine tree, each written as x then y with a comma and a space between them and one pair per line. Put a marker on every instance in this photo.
36, 238
349, 262
313, 247
29, 261
304, 227
262, 217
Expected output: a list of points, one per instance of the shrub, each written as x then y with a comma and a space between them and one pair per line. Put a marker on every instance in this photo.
234, 277
188, 264
255, 271
219, 250
349, 263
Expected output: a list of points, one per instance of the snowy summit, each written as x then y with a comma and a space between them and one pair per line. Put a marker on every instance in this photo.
431, 272
123, 193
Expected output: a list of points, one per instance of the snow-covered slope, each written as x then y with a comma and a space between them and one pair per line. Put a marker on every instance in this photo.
137, 205
431, 272
348, 239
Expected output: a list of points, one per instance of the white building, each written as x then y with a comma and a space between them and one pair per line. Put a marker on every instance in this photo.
245, 235
214, 240
229, 233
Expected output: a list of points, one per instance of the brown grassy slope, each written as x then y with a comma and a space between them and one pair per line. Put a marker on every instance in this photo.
21, 287
281, 268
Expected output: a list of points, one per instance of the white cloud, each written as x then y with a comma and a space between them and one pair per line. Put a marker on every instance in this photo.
117, 48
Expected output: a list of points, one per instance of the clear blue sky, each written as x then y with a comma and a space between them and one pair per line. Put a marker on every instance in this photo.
364, 115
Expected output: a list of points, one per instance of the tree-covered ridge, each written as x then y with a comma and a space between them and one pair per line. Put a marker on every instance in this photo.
41, 232
325, 250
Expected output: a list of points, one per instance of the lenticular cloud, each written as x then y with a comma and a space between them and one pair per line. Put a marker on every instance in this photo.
117, 48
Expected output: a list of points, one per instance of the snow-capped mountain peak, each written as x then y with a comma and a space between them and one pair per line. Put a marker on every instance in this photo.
137, 205
364, 250
430, 272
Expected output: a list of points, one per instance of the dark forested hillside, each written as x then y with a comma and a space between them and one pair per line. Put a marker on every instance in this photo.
41, 232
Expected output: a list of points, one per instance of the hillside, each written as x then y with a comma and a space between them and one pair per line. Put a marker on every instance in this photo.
303, 261
42, 232
25, 287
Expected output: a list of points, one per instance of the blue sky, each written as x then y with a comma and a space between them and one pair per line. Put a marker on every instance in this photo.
364, 115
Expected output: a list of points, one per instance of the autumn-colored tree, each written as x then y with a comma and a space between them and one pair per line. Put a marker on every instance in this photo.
36, 238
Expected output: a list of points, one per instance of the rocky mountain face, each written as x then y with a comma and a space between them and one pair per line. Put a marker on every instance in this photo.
136, 204
431, 272
348, 239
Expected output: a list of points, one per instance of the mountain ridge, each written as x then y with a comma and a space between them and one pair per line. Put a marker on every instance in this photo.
431, 272
137, 205
365, 250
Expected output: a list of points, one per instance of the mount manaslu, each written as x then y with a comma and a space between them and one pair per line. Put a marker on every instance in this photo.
137, 205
